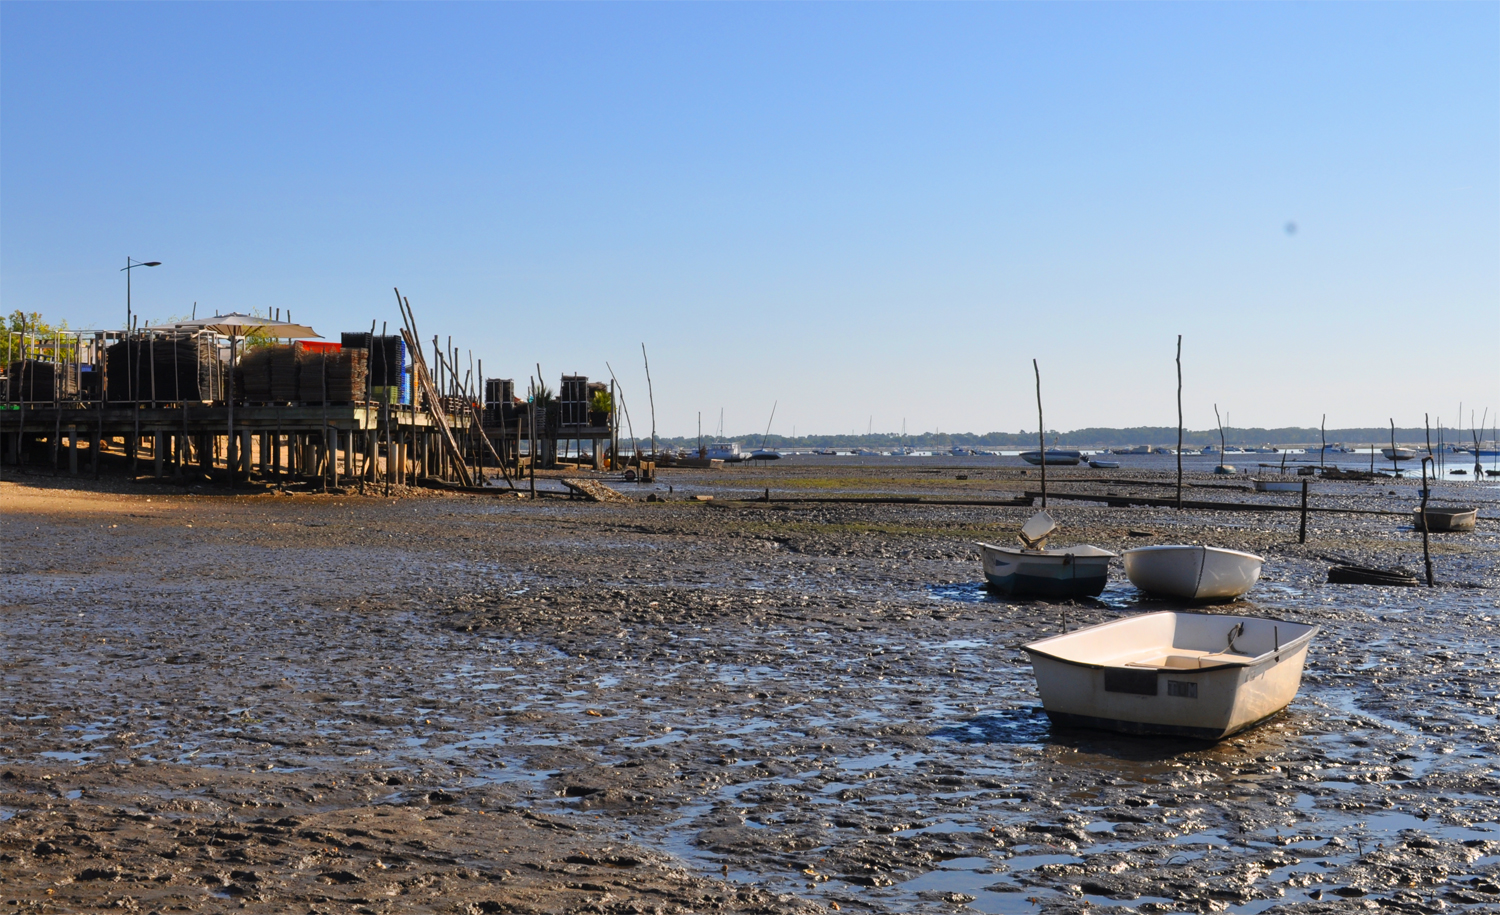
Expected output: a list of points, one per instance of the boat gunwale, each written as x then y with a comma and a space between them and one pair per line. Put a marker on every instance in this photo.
1158, 547
1294, 645
1050, 552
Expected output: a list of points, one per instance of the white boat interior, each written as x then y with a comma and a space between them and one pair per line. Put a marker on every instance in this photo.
1170, 640
1187, 674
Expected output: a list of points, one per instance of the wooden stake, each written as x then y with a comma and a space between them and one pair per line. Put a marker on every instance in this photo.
1426, 552
1323, 436
1302, 530
1041, 430
1395, 465
1428, 426
652, 396
1179, 424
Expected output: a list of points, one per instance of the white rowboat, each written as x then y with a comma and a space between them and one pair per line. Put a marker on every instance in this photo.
1060, 573
1185, 674
1192, 572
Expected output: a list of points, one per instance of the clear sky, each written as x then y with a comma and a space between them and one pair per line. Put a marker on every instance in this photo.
864, 212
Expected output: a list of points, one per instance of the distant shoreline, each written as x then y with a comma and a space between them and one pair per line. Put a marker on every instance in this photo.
1093, 438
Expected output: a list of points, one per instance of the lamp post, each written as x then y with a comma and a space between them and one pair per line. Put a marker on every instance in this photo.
135, 449
130, 265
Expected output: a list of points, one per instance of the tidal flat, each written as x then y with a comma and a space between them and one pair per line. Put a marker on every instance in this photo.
476, 703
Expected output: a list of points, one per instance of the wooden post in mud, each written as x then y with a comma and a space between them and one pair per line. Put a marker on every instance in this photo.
1041, 430
385, 418
651, 395
1302, 529
1427, 424
1323, 437
1395, 465
1179, 423
1426, 552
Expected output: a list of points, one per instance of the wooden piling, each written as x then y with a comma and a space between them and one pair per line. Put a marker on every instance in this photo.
1179, 425
1302, 528
1426, 550
1041, 430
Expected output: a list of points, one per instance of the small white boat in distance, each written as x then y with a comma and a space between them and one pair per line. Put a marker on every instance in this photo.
1196, 675
1278, 485
1446, 520
1190, 572
1054, 456
1035, 571
1398, 454
728, 452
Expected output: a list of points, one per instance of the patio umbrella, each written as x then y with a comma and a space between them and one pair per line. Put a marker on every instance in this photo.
235, 325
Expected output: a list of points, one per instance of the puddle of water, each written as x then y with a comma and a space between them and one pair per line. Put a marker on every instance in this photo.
1008, 726
965, 593
66, 756
1031, 862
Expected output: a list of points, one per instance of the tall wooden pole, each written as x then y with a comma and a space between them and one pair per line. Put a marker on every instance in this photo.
651, 395
1323, 436
1427, 424
1041, 430
1426, 553
1179, 423
1395, 465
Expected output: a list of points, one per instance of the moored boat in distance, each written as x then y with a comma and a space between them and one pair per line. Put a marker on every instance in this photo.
1098, 464
1446, 520
1197, 675
1398, 454
1192, 572
725, 451
1278, 485
1058, 456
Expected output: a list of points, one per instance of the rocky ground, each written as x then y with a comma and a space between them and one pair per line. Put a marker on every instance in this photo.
471, 703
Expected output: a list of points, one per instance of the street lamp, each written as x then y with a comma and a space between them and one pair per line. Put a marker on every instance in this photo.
129, 266
135, 449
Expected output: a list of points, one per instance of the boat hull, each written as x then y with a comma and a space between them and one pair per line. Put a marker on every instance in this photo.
1199, 573
1104, 465
1054, 574
1447, 520
1135, 675
1060, 458
1278, 485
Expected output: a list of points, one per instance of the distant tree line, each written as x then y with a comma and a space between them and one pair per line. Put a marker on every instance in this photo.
1154, 436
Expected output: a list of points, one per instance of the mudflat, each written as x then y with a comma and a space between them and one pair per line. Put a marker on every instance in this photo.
472, 703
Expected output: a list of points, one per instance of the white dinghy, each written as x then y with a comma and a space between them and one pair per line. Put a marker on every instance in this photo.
1036, 571
1190, 572
1196, 675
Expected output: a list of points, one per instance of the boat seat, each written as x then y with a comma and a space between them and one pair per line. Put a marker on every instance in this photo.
1189, 659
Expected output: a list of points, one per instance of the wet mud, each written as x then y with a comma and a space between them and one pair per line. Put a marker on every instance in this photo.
463, 703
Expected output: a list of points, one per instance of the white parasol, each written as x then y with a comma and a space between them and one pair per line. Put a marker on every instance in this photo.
234, 326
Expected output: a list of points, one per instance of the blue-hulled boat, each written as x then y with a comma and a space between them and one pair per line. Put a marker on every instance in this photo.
1033, 570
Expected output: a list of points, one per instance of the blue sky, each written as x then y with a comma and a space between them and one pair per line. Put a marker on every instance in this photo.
853, 210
